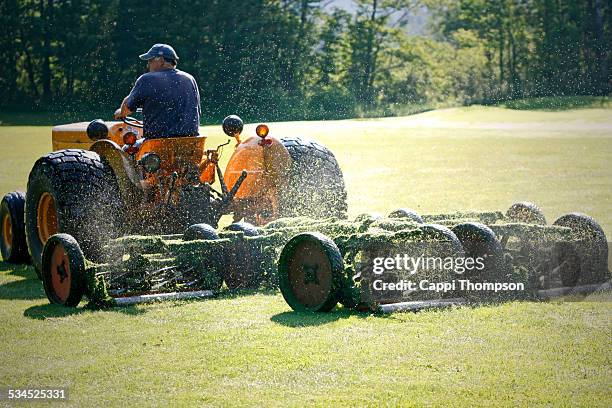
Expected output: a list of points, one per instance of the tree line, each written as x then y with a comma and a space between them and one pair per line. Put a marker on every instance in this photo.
301, 59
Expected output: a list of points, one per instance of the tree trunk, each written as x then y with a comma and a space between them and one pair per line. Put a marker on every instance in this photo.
514, 79
368, 69
502, 76
601, 49
46, 18
29, 64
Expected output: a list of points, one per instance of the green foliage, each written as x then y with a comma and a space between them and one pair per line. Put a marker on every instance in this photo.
537, 47
271, 59
560, 104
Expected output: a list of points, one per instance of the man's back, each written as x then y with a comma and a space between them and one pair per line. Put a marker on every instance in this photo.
170, 102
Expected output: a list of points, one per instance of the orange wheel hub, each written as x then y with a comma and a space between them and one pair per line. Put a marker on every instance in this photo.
60, 273
46, 217
7, 232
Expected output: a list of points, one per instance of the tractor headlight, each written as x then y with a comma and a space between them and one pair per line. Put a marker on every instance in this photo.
232, 126
150, 162
97, 130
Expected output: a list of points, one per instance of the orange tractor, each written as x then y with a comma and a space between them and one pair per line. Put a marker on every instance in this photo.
104, 180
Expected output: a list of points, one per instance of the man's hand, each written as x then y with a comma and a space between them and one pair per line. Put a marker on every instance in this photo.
123, 111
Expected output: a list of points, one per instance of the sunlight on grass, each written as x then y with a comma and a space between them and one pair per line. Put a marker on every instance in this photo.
241, 349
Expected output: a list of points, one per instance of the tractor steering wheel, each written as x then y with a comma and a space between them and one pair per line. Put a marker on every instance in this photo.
130, 121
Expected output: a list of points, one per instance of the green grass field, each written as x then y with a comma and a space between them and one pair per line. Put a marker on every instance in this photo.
252, 350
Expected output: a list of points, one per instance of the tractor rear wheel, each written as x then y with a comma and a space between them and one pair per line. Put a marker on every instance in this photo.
315, 185
12, 241
310, 270
71, 191
63, 270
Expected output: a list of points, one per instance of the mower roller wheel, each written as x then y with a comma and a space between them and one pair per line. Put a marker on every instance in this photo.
442, 243
310, 272
13, 244
589, 244
440, 232
568, 261
369, 217
63, 270
72, 191
406, 213
243, 263
249, 230
526, 212
200, 231
212, 264
479, 241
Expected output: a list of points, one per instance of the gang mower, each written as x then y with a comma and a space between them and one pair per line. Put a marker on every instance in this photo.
517, 256
318, 263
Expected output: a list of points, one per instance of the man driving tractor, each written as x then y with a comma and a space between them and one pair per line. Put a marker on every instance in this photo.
169, 98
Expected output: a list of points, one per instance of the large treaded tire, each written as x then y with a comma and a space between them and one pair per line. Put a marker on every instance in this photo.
315, 185
589, 251
86, 198
12, 240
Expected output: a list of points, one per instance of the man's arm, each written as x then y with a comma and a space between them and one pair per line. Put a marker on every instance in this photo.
123, 110
134, 100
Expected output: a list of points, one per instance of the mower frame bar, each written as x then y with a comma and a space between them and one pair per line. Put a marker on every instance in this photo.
546, 294
154, 297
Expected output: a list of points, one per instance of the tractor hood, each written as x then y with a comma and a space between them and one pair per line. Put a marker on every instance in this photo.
74, 135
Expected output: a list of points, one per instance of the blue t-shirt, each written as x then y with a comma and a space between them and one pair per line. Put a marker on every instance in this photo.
170, 102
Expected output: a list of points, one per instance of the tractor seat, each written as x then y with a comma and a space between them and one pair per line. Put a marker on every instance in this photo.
174, 151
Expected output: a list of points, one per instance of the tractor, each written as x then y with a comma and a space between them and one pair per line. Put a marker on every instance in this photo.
104, 180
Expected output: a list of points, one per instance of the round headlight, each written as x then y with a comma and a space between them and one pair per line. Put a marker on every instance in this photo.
232, 125
150, 162
97, 130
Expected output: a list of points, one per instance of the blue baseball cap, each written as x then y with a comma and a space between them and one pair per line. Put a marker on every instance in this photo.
160, 50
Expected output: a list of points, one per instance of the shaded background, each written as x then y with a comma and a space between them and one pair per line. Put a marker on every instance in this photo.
290, 60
